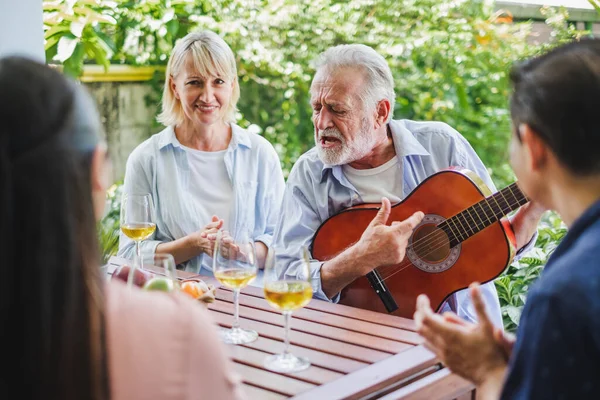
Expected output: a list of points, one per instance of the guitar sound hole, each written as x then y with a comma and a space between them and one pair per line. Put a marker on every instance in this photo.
431, 244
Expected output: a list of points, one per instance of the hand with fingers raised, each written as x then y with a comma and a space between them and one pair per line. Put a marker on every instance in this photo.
474, 351
230, 248
382, 244
208, 235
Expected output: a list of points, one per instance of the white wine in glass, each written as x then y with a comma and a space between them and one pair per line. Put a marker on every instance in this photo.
138, 232
287, 295
235, 266
235, 278
137, 222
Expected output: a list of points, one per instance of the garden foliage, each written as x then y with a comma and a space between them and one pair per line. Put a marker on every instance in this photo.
450, 60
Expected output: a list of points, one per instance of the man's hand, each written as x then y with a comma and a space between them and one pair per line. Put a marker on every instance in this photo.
525, 222
506, 341
381, 244
472, 351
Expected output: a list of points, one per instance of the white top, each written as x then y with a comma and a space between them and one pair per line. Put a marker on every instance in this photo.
210, 187
375, 183
162, 167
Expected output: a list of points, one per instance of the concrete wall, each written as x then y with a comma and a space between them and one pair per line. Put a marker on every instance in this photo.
127, 119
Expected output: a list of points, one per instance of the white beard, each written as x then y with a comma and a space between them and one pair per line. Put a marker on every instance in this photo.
346, 152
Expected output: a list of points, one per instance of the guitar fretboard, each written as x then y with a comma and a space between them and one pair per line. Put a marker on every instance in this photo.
483, 214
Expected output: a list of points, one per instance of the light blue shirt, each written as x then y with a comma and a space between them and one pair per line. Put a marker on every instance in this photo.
316, 191
160, 166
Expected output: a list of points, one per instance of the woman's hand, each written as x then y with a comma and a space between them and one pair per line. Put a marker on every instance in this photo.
207, 236
194, 244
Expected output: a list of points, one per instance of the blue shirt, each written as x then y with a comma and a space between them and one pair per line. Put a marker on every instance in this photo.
557, 353
315, 191
160, 166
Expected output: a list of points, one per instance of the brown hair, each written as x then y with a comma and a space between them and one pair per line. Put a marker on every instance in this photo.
51, 296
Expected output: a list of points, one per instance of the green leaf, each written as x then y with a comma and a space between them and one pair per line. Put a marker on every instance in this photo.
173, 27
463, 99
514, 313
66, 47
103, 19
52, 43
73, 66
76, 27
54, 30
99, 54
107, 40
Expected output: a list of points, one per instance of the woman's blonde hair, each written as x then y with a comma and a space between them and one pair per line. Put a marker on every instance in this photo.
211, 57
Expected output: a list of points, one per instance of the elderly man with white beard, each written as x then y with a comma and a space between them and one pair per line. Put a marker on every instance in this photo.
363, 156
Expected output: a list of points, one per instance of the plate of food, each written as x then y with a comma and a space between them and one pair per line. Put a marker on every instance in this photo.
198, 289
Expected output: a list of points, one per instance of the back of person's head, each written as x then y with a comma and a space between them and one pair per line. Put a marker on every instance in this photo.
558, 96
379, 80
51, 295
211, 56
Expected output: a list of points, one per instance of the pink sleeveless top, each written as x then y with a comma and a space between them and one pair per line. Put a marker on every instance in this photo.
164, 346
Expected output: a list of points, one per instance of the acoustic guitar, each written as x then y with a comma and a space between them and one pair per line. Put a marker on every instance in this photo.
464, 237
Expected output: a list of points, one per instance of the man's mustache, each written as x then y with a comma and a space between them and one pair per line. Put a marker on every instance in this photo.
331, 132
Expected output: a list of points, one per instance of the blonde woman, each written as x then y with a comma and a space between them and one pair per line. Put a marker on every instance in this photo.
204, 172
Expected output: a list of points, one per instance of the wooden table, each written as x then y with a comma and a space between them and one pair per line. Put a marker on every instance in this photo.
355, 354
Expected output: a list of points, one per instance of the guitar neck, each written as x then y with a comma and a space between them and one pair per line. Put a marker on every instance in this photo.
483, 214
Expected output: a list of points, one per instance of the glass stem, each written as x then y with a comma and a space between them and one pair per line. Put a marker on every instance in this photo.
287, 315
138, 253
236, 305
136, 260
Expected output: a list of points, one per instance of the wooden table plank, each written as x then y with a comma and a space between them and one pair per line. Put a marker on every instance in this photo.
338, 309
374, 377
319, 305
441, 385
323, 318
342, 335
305, 340
255, 358
354, 353
253, 392
271, 380
316, 357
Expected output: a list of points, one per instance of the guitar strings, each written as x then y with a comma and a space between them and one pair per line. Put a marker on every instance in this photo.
443, 234
440, 235
402, 266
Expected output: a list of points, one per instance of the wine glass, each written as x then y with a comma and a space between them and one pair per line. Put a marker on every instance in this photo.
164, 264
287, 295
234, 265
137, 221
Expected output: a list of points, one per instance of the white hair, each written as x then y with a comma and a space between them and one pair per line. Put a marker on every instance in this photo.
379, 84
211, 57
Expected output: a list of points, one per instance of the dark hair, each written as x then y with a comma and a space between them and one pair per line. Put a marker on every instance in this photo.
558, 95
51, 297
